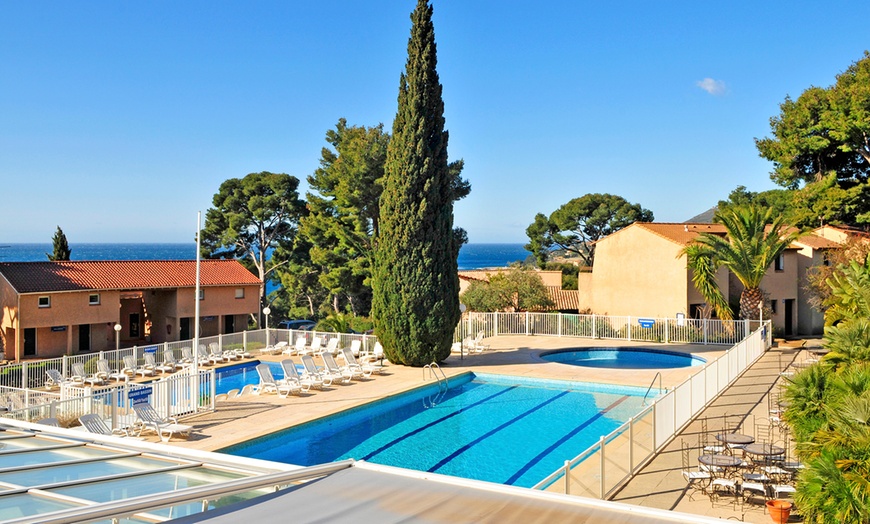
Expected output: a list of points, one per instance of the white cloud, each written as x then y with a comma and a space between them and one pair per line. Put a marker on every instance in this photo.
714, 87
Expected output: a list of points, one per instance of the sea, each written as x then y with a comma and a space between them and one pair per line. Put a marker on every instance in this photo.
471, 256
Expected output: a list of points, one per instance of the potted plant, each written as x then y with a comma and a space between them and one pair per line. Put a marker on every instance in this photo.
779, 510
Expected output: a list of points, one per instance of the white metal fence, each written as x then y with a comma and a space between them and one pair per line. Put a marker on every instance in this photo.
176, 395
605, 466
32, 374
641, 329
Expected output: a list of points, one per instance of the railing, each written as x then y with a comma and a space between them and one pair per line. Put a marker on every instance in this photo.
31, 374
651, 384
174, 396
607, 465
641, 329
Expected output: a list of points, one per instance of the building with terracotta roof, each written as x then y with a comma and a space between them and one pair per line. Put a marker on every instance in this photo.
640, 270
48, 309
564, 300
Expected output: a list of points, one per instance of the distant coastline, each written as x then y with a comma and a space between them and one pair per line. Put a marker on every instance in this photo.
471, 256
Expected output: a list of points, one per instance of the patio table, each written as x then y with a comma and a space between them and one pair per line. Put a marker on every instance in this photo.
735, 438
763, 449
722, 461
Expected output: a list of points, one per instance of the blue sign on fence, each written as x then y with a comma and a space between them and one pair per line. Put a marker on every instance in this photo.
646, 322
150, 349
140, 395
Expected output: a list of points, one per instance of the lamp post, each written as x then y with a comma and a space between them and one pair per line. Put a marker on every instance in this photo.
117, 336
266, 311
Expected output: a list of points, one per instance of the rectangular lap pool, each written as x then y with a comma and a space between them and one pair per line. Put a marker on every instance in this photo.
510, 430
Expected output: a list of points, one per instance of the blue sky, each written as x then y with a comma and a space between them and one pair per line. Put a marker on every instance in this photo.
120, 120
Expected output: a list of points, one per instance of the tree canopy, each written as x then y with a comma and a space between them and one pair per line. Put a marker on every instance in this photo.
60, 247
518, 289
415, 283
821, 143
252, 216
579, 224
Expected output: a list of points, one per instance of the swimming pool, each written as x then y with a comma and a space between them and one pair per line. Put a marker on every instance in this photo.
623, 358
236, 377
510, 430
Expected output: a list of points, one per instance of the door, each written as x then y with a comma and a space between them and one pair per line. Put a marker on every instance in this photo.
134, 325
184, 329
29, 342
789, 314
84, 337
229, 324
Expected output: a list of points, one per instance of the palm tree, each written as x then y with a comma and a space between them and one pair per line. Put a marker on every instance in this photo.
755, 238
703, 266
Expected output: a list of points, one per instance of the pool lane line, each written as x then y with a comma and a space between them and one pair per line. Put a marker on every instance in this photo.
562, 440
493, 431
436, 421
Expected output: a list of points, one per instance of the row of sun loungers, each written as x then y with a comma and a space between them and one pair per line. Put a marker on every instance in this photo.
317, 377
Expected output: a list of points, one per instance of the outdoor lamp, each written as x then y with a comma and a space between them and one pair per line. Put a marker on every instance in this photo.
117, 336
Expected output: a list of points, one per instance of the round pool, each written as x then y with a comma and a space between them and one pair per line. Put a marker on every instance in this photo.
623, 358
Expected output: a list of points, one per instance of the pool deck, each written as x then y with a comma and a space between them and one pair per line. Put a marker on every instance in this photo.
658, 484
241, 419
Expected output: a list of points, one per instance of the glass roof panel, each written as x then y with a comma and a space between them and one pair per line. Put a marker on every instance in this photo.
28, 443
101, 468
56, 455
26, 505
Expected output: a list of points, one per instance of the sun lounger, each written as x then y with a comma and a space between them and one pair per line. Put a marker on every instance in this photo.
205, 358
476, 344
55, 379
49, 421
331, 346
132, 368
165, 427
78, 374
242, 353
216, 355
369, 358
268, 384
277, 348
291, 375
247, 389
313, 373
345, 372
169, 360
151, 362
314, 348
356, 347
93, 423
233, 393
186, 356
366, 368
296, 349
104, 370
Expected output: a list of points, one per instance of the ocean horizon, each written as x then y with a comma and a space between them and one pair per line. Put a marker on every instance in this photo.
471, 256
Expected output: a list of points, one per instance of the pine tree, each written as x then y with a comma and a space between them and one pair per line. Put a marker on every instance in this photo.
415, 283
60, 246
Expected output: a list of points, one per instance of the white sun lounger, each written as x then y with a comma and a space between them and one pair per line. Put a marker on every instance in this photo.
344, 372
151, 362
133, 369
311, 371
110, 374
366, 368
268, 384
78, 374
291, 374
331, 346
314, 348
165, 427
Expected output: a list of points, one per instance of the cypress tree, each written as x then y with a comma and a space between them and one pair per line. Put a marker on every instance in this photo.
61, 250
415, 283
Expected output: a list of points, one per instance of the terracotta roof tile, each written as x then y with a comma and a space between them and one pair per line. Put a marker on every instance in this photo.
817, 242
682, 234
44, 277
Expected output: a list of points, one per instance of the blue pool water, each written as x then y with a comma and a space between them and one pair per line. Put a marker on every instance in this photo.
624, 358
509, 430
236, 377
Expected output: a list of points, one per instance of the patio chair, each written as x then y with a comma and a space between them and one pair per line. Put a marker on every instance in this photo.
79, 374
313, 373
165, 427
345, 372
134, 369
111, 374
367, 368
268, 384
151, 362
696, 479
291, 375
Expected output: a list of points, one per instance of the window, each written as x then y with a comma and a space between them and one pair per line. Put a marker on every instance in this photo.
773, 306
202, 294
240, 292
779, 263
44, 301
94, 299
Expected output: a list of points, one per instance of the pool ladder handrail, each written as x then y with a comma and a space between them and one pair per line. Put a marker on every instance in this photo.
443, 384
651, 384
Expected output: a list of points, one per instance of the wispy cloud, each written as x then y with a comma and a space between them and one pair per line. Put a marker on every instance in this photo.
714, 87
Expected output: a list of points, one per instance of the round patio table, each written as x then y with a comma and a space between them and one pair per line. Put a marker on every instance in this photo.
734, 438
820, 352
722, 461
763, 449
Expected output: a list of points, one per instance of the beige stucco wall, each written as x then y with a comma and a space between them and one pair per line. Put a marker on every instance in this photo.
639, 273
584, 288
8, 319
810, 320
